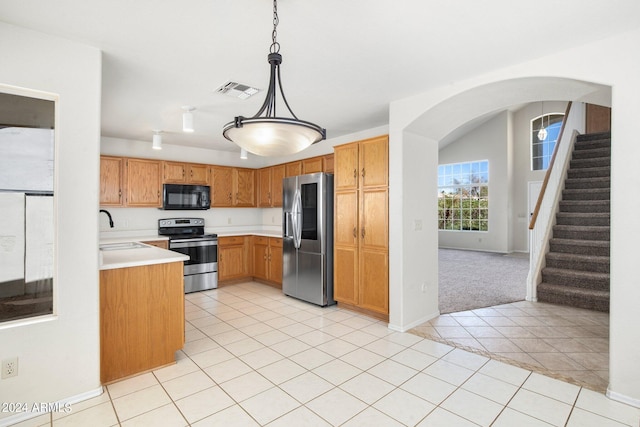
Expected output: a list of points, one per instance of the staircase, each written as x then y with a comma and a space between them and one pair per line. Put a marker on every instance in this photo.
577, 264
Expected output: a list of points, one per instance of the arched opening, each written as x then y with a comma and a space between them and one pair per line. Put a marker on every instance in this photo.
444, 123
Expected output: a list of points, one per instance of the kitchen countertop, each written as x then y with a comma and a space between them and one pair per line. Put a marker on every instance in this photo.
135, 257
251, 233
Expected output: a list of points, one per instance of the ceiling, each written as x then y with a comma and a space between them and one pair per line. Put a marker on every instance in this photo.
343, 61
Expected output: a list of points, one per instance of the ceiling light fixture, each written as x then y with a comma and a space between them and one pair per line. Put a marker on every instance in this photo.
157, 140
187, 119
268, 134
243, 154
542, 133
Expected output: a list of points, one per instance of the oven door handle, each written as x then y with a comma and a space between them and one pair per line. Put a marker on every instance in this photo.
191, 243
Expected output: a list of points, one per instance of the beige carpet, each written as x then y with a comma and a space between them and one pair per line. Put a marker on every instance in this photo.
470, 279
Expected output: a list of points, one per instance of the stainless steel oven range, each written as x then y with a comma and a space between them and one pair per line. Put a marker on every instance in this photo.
186, 235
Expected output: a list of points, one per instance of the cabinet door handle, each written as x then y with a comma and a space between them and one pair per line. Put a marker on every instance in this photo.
355, 233
363, 172
264, 257
269, 257
355, 173
362, 232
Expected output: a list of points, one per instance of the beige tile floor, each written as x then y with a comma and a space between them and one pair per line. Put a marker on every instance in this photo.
564, 342
255, 357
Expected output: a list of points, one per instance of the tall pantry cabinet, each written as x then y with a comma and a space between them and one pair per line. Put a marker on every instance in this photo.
361, 225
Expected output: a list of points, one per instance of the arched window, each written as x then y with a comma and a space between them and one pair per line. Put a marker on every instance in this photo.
544, 135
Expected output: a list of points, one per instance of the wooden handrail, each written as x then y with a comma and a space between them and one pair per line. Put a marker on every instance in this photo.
534, 217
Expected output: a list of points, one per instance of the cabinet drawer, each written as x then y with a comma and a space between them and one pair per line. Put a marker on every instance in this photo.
261, 240
275, 242
230, 240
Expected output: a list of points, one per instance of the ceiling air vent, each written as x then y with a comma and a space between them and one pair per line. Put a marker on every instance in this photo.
237, 90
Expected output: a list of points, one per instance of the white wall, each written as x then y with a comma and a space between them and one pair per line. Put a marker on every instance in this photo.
59, 356
616, 57
490, 141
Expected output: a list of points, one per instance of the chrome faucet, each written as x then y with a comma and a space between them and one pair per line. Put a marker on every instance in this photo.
109, 215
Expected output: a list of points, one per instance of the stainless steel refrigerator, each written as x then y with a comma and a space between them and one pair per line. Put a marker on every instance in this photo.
307, 238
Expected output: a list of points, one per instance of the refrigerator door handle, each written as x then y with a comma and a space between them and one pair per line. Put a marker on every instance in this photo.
288, 225
297, 220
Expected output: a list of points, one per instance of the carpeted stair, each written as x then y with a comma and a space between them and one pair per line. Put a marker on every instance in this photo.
577, 265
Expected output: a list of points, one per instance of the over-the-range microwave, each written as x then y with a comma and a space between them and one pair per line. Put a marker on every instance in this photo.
185, 197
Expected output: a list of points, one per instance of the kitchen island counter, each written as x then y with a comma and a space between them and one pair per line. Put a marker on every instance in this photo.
140, 254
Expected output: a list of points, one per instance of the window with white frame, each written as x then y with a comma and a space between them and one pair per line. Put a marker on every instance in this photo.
544, 133
463, 196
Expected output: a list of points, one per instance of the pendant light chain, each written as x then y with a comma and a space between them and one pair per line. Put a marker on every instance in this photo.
275, 46
267, 134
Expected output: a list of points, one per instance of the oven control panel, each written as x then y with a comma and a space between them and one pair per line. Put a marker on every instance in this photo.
181, 222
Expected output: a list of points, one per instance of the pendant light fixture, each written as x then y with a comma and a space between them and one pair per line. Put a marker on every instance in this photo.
266, 133
542, 133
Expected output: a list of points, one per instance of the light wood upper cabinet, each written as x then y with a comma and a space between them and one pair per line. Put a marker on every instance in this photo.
362, 164
264, 187
244, 183
270, 186
327, 163
184, 173
277, 175
221, 186
312, 165
232, 187
174, 173
143, 183
197, 174
346, 167
111, 181
293, 168
374, 162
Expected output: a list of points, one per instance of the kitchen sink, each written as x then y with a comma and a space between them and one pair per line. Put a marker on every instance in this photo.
122, 246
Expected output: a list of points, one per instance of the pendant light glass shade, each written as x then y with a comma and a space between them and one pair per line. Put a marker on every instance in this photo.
542, 134
273, 136
267, 134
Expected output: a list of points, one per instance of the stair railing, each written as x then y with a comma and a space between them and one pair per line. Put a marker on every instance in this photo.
543, 217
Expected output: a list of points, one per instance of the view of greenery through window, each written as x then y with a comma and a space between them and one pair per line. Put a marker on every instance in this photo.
463, 196
542, 148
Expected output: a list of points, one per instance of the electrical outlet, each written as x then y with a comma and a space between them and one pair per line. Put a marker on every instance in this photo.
10, 368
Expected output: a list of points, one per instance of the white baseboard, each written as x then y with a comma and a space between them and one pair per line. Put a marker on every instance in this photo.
23, 416
623, 399
420, 321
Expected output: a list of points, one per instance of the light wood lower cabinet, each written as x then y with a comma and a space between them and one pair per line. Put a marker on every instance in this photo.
141, 319
267, 259
233, 258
